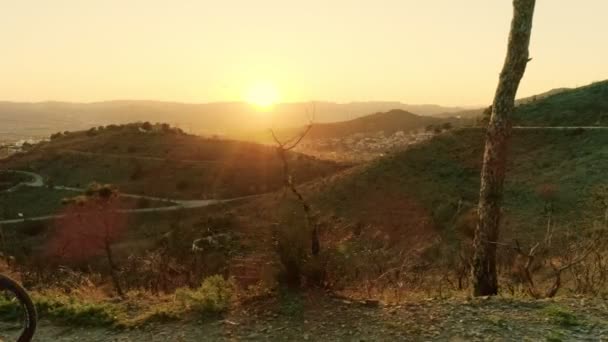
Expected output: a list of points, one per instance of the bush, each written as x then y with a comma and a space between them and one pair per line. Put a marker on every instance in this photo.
56, 136
63, 309
33, 228
315, 270
212, 297
562, 316
182, 185
92, 132
67, 310
291, 249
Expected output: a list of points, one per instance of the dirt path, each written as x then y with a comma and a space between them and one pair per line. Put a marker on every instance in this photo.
175, 204
36, 180
296, 318
558, 128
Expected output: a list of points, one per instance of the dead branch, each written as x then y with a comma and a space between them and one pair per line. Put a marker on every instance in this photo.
571, 257
282, 148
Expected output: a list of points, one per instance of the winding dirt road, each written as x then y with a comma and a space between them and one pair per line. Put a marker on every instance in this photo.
37, 181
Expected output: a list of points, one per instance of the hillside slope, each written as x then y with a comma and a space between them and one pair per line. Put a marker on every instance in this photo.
424, 191
583, 106
163, 163
388, 122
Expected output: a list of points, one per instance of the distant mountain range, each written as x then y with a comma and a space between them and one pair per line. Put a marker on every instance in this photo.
44, 118
24, 120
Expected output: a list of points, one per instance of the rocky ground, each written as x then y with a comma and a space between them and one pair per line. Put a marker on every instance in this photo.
314, 318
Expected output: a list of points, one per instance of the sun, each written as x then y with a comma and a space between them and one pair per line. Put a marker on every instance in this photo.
262, 94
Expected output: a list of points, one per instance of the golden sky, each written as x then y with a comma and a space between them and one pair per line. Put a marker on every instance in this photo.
434, 51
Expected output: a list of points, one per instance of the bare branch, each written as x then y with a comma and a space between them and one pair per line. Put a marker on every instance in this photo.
276, 139
294, 141
282, 149
300, 138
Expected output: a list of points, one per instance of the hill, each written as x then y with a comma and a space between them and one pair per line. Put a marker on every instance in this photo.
540, 96
583, 106
389, 122
414, 209
163, 162
421, 193
26, 120
406, 212
365, 138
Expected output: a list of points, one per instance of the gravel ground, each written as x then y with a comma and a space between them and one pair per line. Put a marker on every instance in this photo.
296, 318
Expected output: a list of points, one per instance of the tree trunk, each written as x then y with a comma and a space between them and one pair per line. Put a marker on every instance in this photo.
484, 277
313, 224
113, 269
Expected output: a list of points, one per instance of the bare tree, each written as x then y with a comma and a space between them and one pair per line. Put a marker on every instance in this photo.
556, 259
282, 148
484, 276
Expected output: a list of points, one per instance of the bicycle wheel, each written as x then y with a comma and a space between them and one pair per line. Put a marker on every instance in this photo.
17, 312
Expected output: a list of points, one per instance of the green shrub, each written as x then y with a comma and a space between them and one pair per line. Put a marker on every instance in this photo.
212, 297
315, 270
562, 317
65, 310
291, 249
9, 310
68, 310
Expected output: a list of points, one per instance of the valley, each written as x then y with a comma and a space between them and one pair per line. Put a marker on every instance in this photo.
394, 197
304, 171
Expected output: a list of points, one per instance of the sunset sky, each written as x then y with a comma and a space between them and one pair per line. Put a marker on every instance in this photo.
436, 51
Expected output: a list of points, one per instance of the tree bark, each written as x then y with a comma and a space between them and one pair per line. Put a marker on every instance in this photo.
484, 277
315, 245
113, 268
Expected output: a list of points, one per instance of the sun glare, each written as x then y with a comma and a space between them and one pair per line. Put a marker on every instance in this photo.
263, 95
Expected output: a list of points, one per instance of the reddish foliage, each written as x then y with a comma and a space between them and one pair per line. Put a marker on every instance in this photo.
547, 191
85, 229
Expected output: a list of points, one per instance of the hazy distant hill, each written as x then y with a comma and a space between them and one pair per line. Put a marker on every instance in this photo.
389, 122
41, 119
